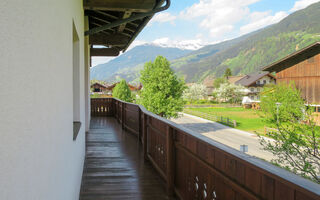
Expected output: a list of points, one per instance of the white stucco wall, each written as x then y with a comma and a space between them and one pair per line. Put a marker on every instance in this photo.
38, 158
268, 80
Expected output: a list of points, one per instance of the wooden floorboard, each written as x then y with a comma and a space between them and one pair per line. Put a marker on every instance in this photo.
114, 165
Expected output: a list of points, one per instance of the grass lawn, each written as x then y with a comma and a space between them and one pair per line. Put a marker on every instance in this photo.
247, 119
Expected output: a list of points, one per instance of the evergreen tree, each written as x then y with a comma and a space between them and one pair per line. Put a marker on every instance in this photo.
227, 73
162, 89
122, 91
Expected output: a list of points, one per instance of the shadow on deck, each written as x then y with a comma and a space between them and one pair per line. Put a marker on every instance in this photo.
115, 167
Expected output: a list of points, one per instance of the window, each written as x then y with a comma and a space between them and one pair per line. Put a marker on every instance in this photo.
264, 81
76, 83
258, 82
252, 89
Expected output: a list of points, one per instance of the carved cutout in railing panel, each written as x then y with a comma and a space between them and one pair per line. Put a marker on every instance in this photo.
157, 148
102, 107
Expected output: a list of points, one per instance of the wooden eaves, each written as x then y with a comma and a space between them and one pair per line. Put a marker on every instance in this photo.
116, 39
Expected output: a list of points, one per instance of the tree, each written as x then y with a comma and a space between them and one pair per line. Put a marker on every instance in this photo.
162, 89
229, 93
227, 73
218, 81
195, 92
296, 138
122, 91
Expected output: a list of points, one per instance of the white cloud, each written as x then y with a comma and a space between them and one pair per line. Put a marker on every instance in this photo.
136, 43
262, 19
163, 17
218, 16
301, 4
100, 60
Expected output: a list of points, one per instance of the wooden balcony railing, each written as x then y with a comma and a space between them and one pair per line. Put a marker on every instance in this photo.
196, 167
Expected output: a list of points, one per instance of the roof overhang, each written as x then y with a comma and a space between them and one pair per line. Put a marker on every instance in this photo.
294, 58
99, 84
102, 13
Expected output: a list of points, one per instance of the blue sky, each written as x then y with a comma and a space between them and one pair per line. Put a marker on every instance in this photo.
201, 22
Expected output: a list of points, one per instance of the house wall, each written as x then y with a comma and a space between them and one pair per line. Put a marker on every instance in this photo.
268, 80
306, 76
256, 89
39, 159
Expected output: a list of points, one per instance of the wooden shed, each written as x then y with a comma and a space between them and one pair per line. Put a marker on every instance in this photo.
303, 68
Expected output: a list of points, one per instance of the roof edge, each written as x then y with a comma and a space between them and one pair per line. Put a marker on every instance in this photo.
299, 55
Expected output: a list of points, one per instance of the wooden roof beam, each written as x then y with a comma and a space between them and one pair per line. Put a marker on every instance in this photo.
104, 52
120, 5
126, 14
113, 17
105, 31
114, 39
99, 19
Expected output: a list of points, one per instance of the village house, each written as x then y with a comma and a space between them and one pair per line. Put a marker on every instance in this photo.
234, 79
303, 68
98, 87
133, 88
58, 144
255, 82
209, 81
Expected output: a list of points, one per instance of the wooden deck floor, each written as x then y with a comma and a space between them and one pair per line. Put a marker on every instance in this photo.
114, 166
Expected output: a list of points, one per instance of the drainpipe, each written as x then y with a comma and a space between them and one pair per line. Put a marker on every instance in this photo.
130, 19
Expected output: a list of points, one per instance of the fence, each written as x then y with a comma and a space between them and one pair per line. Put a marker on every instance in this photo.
268, 131
196, 167
213, 105
224, 120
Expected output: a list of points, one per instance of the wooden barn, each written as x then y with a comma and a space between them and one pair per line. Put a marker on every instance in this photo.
302, 67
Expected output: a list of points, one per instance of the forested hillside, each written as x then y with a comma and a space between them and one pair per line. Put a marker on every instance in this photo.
258, 49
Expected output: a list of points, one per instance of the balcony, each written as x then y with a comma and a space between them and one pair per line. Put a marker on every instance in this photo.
134, 154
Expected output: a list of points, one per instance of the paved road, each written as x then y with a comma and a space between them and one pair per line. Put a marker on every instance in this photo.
224, 134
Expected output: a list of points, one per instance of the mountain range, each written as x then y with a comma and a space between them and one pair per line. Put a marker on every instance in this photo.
123, 65
245, 54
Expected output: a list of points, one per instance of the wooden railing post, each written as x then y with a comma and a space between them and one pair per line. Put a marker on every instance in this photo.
113, 107
170, 161
145, 139
123, 114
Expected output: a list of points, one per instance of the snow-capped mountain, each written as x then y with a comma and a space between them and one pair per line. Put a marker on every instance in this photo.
184, 44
